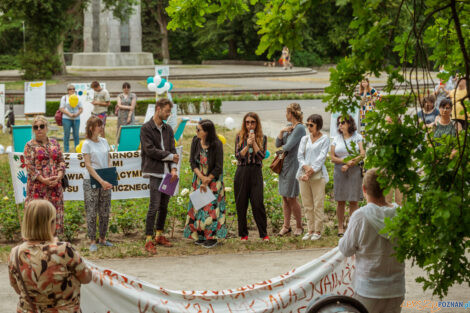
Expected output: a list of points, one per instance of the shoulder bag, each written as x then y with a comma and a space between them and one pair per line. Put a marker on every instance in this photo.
276, 165
17, 261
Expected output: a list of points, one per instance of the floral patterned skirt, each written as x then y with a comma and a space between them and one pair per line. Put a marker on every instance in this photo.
207, 222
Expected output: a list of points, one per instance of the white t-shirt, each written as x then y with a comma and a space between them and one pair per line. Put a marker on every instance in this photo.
64, 103
98, 152
340, 148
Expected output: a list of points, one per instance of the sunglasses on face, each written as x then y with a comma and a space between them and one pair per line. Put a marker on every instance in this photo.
71, 89
342, 123
250, 122
309, 124
198, 130
41, 126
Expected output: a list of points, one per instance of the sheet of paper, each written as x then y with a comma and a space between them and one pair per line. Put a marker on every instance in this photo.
200, 199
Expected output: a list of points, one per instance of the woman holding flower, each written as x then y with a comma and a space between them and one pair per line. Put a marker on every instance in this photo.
207, 157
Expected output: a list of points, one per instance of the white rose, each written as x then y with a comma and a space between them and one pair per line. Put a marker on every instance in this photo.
184, 192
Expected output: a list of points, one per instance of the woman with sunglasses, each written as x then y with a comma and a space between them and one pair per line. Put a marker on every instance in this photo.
125, 107
71, 111
346, 152
45, 166
250, 149
289, 139
312, 175
207, 158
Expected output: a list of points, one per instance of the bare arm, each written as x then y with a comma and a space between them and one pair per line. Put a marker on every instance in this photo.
333, 157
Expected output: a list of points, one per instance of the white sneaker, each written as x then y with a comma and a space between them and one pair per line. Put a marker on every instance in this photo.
307, 236
315, 237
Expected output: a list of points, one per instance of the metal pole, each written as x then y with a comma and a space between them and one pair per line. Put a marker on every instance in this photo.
24, 39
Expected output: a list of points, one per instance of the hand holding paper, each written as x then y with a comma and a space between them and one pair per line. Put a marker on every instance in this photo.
200, 199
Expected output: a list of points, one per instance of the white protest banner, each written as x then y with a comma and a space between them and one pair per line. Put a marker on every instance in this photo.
162, 70
128, 165
2, 106
85, 93
110, 291
34, 97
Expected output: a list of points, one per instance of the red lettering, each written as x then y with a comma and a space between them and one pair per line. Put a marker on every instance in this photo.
140, 309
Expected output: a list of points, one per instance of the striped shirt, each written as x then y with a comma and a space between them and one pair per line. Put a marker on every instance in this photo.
249, 158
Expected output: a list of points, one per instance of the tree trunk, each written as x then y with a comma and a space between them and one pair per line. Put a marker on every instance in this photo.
60, 53
232, 49
163, 22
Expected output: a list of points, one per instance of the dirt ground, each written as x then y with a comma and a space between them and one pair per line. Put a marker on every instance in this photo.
224, 271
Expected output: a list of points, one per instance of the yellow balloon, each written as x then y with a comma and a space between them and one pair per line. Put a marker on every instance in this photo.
78, 148
222, 139
73, 100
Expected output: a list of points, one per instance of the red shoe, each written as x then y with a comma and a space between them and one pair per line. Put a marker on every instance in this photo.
162, 241
244, 238
266, 238
150, 247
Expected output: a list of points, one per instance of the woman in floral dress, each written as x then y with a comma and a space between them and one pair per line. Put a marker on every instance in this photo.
44, 272
45, 166
207, 156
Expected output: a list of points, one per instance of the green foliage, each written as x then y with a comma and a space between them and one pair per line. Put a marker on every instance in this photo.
8, 62
73, 219
305, 59
432, 226
215, 105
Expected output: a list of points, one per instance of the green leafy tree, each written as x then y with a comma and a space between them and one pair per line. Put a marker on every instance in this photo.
404, 40
47, 24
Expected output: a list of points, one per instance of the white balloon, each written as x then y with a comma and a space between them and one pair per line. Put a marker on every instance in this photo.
161, 90
157, 79
229, 123
2, 149
152, 87
9, 149
166, 86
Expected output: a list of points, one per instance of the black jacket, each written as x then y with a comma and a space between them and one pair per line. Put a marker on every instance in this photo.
152, 152
215, 157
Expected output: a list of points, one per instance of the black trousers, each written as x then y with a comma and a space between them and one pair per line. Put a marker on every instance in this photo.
158, 203
248, 185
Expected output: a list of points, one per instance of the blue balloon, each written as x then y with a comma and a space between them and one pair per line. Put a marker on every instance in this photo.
80, 93
267, 155
149, 80
171, 86
162, 83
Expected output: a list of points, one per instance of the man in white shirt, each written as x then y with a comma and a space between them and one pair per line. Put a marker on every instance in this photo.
379, 281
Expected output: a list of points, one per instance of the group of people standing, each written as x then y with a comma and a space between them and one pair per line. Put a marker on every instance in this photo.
124, 110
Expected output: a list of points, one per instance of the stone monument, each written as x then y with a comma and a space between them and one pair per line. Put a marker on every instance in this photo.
108, 42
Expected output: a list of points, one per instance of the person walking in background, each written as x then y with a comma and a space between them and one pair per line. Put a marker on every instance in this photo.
347, 174
71, 111
312, 175
45, 166
379, 282
101, 102
440, 92
159, 157
45, 273
207, 159
125, 108
429, 113
289, 139
369, 96
250, 150
95, 151
285, 58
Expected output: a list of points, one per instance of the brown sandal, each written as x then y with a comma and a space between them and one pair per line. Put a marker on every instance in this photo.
284, 231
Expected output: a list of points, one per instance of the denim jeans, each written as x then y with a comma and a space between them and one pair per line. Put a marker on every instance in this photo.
75, 125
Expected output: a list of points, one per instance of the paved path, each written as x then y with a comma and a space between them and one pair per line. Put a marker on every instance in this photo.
228, 271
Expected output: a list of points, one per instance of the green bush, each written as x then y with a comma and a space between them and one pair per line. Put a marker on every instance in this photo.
73, 219
215, 105
306, 58
196, 105
10, 222
9, 62
39, 64
52, 107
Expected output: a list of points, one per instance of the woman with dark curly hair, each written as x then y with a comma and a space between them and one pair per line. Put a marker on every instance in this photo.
346, 152
207, 158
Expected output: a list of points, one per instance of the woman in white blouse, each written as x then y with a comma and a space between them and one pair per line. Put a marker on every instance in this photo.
346, 152
312, 175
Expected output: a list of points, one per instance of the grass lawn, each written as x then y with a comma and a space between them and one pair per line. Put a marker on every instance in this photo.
127, 221
19, 85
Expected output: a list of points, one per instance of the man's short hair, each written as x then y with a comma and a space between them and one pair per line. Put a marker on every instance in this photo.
95, 84
163, 102
371, 185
